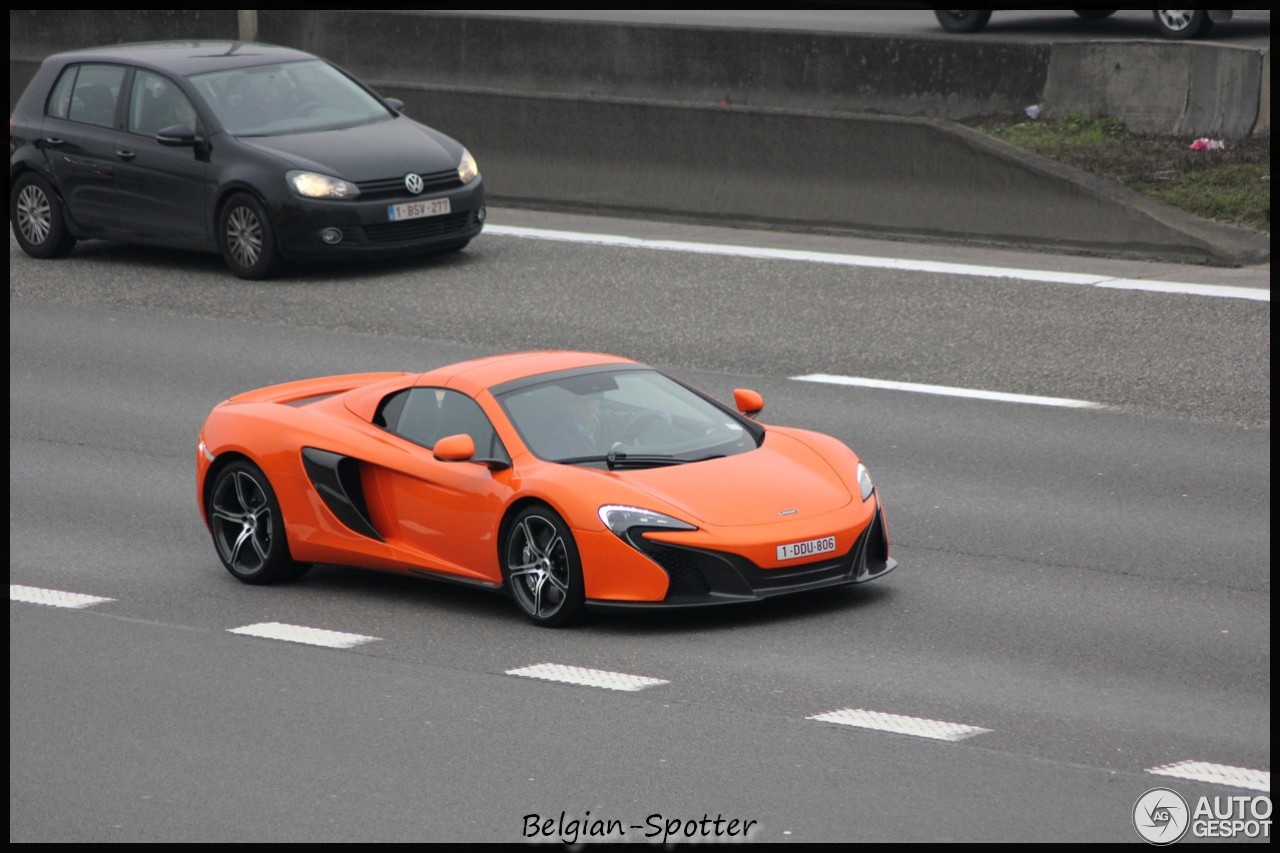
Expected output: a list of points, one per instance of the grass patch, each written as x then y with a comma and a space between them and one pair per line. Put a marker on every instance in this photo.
1231, 185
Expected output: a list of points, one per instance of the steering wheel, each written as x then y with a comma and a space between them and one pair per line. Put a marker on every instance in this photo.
307, 108
637, 423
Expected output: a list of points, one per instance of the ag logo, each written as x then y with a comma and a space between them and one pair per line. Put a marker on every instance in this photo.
413, 183
1161, 816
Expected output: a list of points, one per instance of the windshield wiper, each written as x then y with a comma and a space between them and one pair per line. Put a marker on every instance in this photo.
618, 459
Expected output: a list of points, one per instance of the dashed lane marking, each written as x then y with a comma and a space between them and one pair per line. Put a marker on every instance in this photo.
1221, 774
946, 391
53, 597
915, 726
301, 634
586, 677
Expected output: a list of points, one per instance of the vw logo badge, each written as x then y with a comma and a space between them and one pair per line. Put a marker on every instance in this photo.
413, 183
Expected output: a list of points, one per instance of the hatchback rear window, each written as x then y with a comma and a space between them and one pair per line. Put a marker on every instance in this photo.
87, 93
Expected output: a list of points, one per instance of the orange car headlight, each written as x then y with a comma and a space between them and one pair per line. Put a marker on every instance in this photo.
620, 519
864, 481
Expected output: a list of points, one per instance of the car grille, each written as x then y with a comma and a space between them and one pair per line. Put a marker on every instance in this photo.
695, 574
683, 567
394, 187
418, 229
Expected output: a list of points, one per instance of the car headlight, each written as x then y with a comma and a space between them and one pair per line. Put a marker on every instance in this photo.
313, 185
864, 481
620, 519
468, 171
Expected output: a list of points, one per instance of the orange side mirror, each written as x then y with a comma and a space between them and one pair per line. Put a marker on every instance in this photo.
748, 402
455, 448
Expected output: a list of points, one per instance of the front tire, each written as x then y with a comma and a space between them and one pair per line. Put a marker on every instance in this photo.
36, 215
542, 569
247, 239
248, 528
962, 20
1182, 23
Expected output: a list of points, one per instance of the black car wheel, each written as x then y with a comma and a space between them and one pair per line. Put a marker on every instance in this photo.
962, 20
542, 568
35, 212
1182, 23
246, 238
247, 527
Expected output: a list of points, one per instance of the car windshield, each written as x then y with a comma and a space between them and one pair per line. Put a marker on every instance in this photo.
293, 97
625, 418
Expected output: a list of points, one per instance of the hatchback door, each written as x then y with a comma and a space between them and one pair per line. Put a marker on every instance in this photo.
78, 140
163, 190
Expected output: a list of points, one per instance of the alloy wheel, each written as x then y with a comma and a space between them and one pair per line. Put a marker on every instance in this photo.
538, 567
35, 215
244, 236
242, 523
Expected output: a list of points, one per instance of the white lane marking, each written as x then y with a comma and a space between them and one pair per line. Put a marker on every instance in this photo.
946, 391
1041, 276
53, 597
1221, 774
586, 677
300, 634
916, 726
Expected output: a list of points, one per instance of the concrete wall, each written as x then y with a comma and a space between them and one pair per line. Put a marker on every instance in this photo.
1181, 88
873, 175
943, 77
36, 33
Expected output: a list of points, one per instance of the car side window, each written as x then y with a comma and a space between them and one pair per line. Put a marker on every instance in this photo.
426, 415
94, 90
156, 103
59, 105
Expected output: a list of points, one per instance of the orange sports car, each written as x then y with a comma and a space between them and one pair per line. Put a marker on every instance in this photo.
568, 480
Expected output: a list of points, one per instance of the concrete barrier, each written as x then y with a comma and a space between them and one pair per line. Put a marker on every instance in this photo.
754, 126
36, 33
1180, 88
866, 174
936, 76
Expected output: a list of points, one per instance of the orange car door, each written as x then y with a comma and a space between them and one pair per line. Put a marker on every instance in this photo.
443, 516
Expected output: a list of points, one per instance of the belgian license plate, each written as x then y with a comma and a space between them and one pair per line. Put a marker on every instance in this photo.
811, 548
418, 209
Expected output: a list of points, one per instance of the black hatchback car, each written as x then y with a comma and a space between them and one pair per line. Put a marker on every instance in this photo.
262, 153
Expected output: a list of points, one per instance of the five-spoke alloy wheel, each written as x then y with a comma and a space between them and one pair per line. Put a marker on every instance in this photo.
542, 567
247, 527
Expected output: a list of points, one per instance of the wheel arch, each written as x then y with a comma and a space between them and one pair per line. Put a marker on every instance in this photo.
222, 460
504, 526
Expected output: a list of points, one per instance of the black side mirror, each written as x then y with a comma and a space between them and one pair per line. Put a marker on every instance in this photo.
177, 136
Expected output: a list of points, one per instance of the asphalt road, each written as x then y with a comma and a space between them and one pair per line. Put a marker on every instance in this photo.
1092, 586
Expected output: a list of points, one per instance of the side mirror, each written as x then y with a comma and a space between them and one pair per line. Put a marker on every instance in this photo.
455, 448
395, 104
176, 136
748, 402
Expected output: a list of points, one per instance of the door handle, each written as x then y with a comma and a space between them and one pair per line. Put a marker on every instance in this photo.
54, 141
125, 155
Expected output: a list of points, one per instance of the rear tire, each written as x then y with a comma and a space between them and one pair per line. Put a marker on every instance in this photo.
248, 528
36, 216
962, 20
1182, 24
